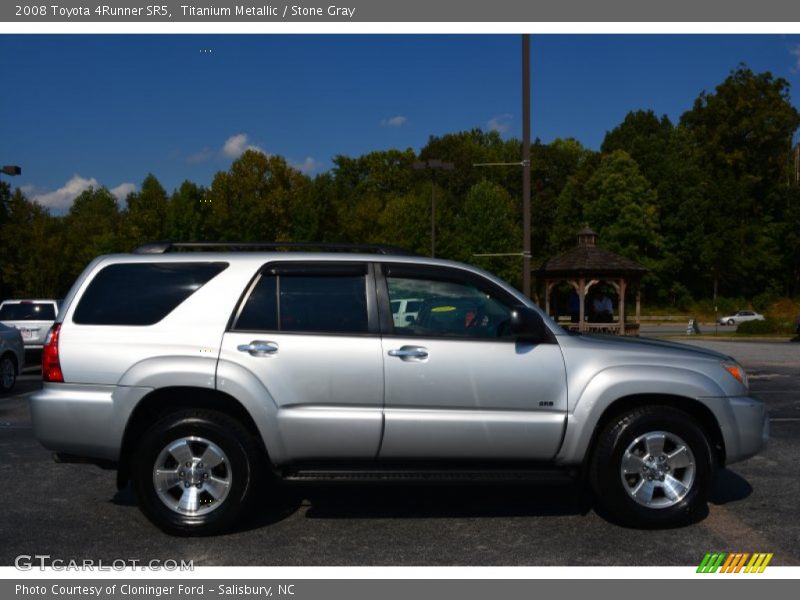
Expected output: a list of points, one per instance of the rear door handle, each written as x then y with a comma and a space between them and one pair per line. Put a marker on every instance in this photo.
410, 353
258, 348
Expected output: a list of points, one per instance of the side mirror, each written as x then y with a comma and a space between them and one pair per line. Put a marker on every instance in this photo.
527, 323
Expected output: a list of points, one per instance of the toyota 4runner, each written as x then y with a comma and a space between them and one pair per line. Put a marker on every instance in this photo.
202, 372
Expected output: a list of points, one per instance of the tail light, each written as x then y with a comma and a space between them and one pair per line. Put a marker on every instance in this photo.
51, 365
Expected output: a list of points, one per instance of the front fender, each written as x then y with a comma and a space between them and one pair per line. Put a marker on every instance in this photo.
587, 404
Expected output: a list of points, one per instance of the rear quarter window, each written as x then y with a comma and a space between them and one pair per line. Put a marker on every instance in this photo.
141, 293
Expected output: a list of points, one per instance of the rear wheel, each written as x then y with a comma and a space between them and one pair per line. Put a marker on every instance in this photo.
194, 472
8, 373
652, 466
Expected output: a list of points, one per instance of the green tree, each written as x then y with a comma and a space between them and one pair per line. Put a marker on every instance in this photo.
362, 187
489, 224
187, 211
30, 243
257, 199
552, 165
93, 226
146, 214
742, 135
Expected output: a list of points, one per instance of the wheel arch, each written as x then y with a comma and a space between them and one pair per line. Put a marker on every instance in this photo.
163, 401
701, 414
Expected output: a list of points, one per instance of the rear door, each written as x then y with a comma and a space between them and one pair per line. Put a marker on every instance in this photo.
458, 385
309, 332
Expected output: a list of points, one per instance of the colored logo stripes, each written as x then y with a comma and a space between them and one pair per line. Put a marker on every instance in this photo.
734, 562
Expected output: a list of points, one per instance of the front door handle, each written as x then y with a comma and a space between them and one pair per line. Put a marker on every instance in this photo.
258, 348
410, 353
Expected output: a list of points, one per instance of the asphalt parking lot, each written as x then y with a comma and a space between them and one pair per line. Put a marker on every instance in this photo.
74, 512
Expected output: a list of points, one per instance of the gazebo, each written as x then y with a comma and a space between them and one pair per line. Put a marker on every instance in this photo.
583, 267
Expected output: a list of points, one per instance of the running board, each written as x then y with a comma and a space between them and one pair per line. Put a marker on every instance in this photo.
428, 476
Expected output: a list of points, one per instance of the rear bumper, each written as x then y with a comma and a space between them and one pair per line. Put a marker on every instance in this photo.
749, 431
83, 420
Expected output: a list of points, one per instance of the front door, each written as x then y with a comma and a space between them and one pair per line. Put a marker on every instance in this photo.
458, 384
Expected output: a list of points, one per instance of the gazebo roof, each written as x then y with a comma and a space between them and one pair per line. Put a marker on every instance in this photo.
588, 259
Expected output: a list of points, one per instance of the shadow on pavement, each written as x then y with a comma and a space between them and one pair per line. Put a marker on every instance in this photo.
442, 501
730, 487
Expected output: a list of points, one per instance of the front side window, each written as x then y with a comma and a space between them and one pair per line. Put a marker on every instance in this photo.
440, 308
306, 302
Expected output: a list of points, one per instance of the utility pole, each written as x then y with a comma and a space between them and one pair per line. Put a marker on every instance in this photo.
526, 164
432, 165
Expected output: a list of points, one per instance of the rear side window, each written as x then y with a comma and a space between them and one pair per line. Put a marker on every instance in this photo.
141, 293
28, 311
313, 301
335, 304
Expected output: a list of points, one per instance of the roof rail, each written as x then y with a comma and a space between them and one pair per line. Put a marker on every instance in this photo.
164, 247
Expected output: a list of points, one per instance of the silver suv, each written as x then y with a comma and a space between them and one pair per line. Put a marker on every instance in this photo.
203, 375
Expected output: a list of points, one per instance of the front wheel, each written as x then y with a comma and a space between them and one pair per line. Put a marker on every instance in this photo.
731, 322
194, 472
652, 466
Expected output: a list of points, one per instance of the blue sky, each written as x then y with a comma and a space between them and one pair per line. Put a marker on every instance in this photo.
93, 109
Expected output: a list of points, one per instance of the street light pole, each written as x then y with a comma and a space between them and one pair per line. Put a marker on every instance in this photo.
432, 164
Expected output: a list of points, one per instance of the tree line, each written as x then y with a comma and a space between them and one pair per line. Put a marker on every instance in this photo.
709, 204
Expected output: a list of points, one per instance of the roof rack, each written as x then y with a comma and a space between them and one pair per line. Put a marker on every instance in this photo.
164, 247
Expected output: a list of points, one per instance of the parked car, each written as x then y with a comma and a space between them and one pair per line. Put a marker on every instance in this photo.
33, 318
200, 375
404, 310
741, 317
12, 357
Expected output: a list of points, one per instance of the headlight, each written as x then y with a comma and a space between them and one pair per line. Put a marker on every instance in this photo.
736, 371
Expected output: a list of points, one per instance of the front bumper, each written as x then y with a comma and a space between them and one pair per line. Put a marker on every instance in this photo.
748, 432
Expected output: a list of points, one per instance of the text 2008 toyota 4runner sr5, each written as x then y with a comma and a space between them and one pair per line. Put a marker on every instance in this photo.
202, 374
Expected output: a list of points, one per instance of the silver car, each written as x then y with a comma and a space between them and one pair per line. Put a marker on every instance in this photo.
202, 375
12, 357
740, 317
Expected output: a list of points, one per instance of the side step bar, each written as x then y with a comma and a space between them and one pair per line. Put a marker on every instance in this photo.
428, 476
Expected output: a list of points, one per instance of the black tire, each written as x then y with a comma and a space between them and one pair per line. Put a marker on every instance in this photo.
731, 322
243, 469
8, 373
613, 493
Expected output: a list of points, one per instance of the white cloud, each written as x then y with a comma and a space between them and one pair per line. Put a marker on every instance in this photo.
201, 156
236, 145
499, 123
396, 121
62, 198
309, 165
121, 191
795, 51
